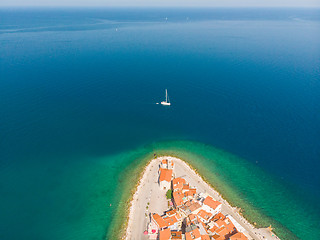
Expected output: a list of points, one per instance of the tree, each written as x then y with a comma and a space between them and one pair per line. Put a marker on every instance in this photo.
169, 194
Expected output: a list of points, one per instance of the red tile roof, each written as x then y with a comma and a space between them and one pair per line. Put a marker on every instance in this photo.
185, 187
238, 236
211, 203
192, 217
213, 229
193, 234
220, 222
178, 183
159, 220
171, 212
170, 220
219, 216
226, 228
178, 197
176, 235
191, 192
165, 234
204, 214
205, 237
194, 206
165, 175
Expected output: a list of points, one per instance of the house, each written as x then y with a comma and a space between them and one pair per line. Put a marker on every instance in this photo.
223, 229
165, 234
192, 219
177, 184
167, 163
182, 192
190, 227
238, 236
190, 193
202, 228
190, 207
165, 178
219, 216
177, 235
205, 237
180, 184
158, 221
193, 235
211, 205
164, 163
204, 216
178, 198
153, 228
194, 206
173, 219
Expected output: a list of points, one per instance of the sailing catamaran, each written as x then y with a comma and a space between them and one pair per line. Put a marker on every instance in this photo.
167, 101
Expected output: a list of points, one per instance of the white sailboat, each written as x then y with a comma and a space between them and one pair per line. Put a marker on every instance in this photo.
167, 101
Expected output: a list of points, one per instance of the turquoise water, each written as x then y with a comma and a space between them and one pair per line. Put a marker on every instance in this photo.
78, 110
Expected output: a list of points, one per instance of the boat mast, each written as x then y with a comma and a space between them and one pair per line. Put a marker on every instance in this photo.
166, 96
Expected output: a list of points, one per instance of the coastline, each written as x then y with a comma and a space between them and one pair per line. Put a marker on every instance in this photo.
134, 199
256, 233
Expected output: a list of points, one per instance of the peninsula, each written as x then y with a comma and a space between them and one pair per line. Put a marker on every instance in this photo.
172, 201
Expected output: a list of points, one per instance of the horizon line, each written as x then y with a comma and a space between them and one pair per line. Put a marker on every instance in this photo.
151, 6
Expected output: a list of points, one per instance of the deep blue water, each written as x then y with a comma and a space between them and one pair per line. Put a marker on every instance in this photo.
79, 84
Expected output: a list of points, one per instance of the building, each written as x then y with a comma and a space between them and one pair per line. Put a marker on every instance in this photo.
205, 237
204, 216
165, 234
158, 222
238, 236
194, 206
192, 219
177, 235
167, 163
165, 178
173, 219
178, 198
211, 205
164, 163
222, 229
193, 235
177, 184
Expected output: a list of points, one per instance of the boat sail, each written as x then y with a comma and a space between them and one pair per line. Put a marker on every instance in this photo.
167, 101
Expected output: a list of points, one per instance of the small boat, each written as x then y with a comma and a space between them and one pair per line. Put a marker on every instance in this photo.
167, 101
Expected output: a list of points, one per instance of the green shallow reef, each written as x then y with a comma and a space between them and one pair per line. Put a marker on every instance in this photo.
261, 197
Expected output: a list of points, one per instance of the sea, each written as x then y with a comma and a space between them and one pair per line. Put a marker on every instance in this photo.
79, 117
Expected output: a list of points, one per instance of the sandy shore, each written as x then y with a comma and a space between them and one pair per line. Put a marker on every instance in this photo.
149, 198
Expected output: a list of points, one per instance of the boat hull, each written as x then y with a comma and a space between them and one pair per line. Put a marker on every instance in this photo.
165, 103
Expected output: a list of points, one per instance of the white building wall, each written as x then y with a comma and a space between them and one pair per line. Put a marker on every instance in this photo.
207, 208
165, 185
218, 209
174, 227
211, 210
